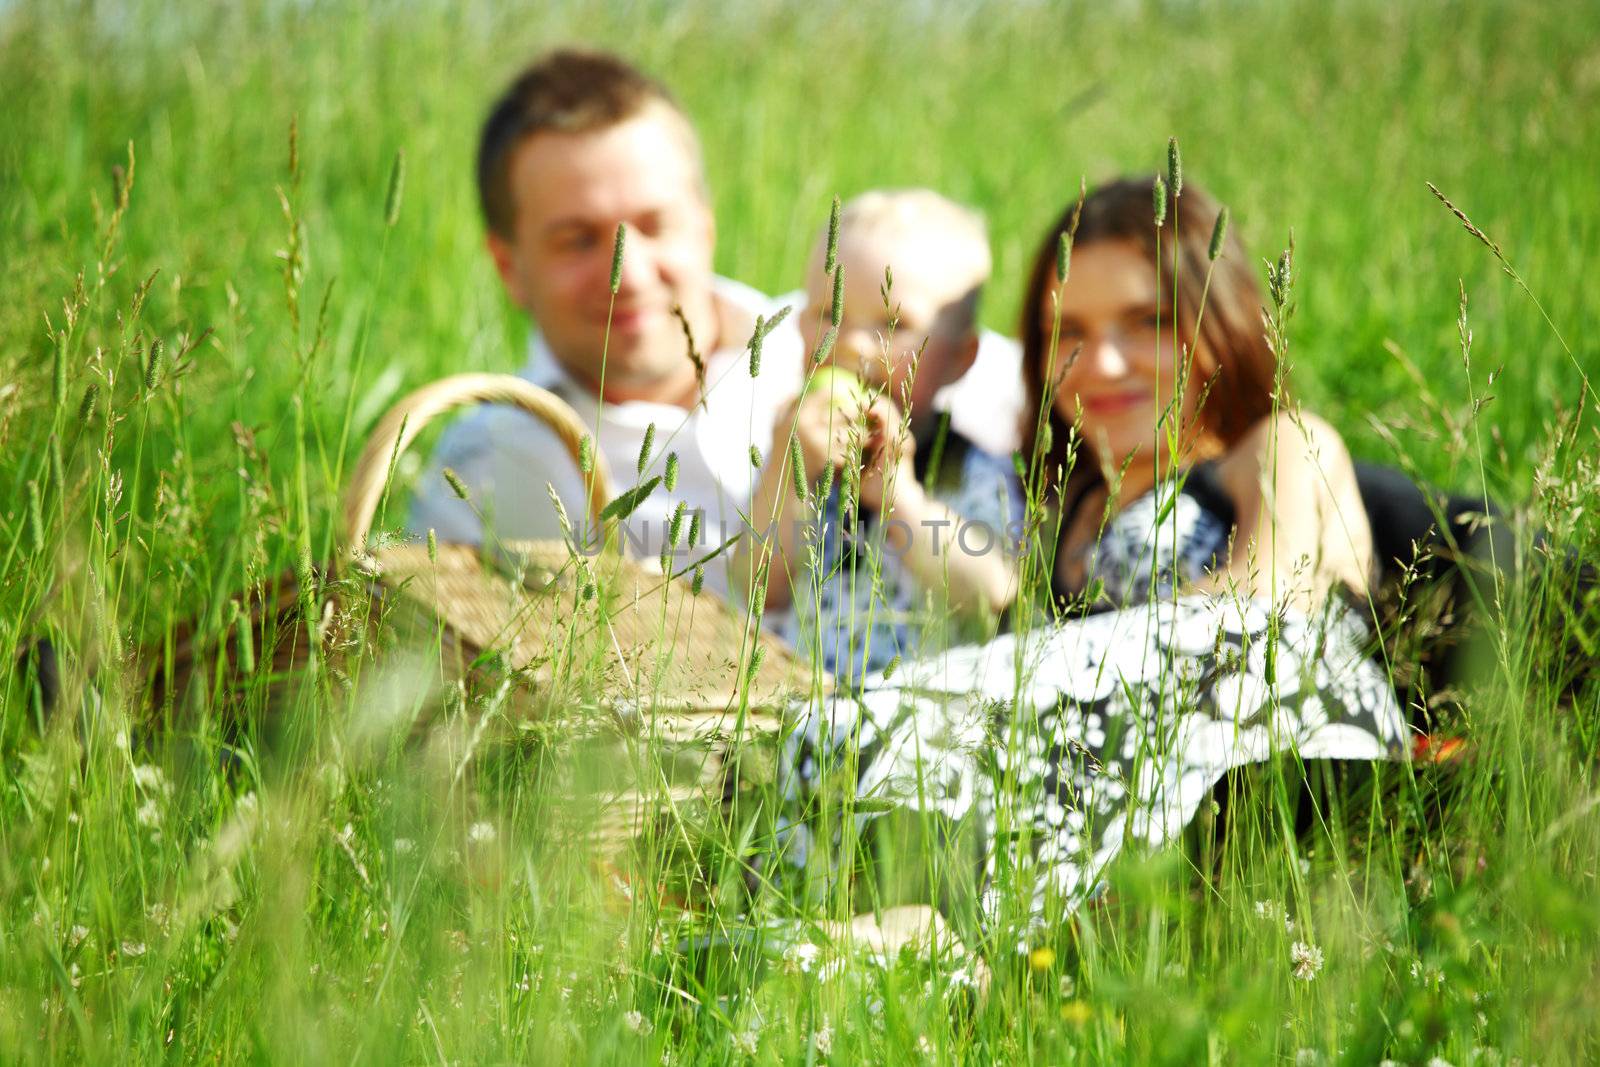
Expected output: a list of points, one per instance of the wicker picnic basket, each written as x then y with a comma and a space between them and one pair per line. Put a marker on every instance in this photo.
671, 665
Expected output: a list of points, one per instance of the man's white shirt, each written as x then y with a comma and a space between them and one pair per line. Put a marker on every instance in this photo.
506, 458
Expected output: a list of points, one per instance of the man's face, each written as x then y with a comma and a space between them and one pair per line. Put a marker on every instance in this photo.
571, 190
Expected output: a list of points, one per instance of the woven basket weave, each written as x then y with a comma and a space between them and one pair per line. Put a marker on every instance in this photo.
613, 630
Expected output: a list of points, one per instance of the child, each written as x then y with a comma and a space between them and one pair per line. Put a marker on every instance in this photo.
914, 509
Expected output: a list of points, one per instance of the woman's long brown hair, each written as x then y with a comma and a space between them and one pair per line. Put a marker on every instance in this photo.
1232, 329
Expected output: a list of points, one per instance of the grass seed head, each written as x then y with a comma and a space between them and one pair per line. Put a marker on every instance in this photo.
1280, 278
1174, 168
153, 361
561, 509
457, 486
586, 454
755, 457
91, 397
35, 517
767, 326
616, 257
1070, 234
832, 259
695, 521
675, 527
1461, 216
645, 446
797, 469
825, 346
670, 480
1219, 234
306, 576
825, 489
397, 183
698, 582
433, 546
756, 338
838, 296
1159, 194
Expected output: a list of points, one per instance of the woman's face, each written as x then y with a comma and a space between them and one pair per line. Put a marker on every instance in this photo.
1124, 374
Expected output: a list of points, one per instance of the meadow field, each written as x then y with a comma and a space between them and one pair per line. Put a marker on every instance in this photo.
215, 277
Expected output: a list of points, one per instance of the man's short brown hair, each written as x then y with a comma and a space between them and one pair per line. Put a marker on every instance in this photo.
568, 90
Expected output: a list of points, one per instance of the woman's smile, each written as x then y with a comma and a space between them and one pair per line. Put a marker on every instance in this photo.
1110, 403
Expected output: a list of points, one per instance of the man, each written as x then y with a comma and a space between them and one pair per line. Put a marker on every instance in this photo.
579, 144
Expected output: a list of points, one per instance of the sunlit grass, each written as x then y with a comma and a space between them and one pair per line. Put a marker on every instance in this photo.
364, 860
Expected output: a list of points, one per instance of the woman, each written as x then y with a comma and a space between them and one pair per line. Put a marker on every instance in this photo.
1211, 555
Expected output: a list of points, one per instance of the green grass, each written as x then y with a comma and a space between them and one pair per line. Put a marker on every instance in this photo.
348, 911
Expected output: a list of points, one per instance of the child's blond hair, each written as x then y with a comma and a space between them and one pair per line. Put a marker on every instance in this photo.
902, 214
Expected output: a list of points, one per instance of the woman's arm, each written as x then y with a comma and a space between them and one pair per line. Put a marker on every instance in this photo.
1301, 529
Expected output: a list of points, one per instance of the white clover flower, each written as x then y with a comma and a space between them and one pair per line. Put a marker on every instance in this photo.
404, 846
824, 1040
1439, 1061
133, 949
481, 833
801, 957
1305, 960
1428, 975
961, 978
148, 815
76, 936
150, 779
925, 1046
747, 1042
634, 1020
1307, 1057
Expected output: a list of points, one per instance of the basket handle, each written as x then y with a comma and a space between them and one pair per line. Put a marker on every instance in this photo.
401, 424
